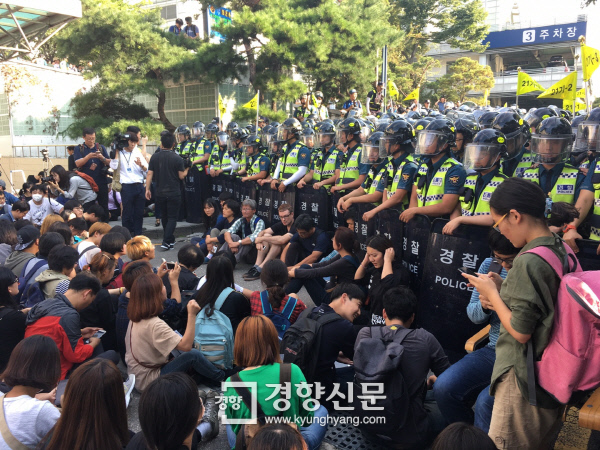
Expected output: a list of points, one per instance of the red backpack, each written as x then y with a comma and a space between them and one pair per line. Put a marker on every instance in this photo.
89, 179
571, 360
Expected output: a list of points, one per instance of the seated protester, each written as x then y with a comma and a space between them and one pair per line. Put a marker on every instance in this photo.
73, 208
77, 185
308, 245
40, 205
49, 220
22, 223
271, 241
79, 229
150, 341
231, 213
139, 248
274, 277
465, 383
124, 231
35, 266
422, 354
18, 211
380, 271
219, 276
58, 318
33, 366
8, 239
25, 192
94, 395
211, 214
102, 311
440, 177
10, 198
239, 238
256, 347
275, 436
26, 249
341, 268
64, 230
4, 207
62, 262
90, 246
463, 436
114, 244
12, 320
483, 156
94, 214
172, 415
190, 259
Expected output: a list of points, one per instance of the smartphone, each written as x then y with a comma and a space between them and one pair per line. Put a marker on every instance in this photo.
467, 271
98, 334
495, 266
170, 265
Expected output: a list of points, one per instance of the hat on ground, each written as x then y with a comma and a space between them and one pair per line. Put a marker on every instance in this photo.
26, 236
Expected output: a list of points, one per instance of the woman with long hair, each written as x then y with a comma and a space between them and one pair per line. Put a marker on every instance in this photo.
67, 185
12, 321
34, 366
94, 415
48, 221
231, 212
341, 268
211, 214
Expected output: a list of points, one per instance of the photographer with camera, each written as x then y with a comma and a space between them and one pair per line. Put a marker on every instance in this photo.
70, 185
92, 159
129, 159
167, 169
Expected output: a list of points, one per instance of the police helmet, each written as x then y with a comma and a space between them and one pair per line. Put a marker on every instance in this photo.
325, 134
468, 128
564, 113
275, 124
486, 150
516, 131
183, 130
239, 134
211, 130
222, 139
486, 119
421, 124
252, 128
414, 115
349, 127
289, 129
381, 126
535, 117
553, 141
198, 129
588, 132
308, 137
435, 139
399, 132
253, 144
319, 94
373, 148
232, 126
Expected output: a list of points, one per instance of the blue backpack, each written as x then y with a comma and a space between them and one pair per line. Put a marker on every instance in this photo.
281, 320
32, 295
214, 334
24, 281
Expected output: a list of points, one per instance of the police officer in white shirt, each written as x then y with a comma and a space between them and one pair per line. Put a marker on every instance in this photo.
133, 168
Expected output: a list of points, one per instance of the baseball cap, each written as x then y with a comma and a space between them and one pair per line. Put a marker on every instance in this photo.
353, 91
26, 236
3, 184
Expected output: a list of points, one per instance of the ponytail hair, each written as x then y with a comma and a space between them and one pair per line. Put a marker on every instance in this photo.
524, 196
347, 239
275, 276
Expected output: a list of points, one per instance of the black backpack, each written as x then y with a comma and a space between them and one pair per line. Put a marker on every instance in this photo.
300, 342
377, 360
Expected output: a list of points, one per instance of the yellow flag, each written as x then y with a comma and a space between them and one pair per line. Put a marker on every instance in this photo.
486, 94
413, 95
505, 104
590, 59
527, 84
222, 108
252, 104
564, 89
568, 105
313, 98
392, 89
580, 93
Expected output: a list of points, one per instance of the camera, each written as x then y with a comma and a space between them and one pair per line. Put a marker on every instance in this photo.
119, 143
48, 178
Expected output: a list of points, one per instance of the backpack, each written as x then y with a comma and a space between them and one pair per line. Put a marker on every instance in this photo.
571, 359
89, 179
247, 431
32, 295
300, 344
23, 281
214, 334
281, 320
377, 360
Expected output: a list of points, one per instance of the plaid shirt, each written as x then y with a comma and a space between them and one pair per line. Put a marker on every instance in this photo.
256, 306
239, 226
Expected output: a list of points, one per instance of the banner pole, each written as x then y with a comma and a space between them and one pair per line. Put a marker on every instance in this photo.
518, 70
219, 109
257, 103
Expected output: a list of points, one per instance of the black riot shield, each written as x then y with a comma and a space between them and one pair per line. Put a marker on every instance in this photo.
278, 198
228, 182
587, 256
263, 202
315, 203
217, 185
246, 189
414, 247
389, 224
444, 294
364, 229
337, 218
236, 183
193, 196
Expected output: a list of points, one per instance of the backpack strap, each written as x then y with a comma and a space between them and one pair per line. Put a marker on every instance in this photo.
324, 318
560, 267
34, 269
246, 395
351, 259
222, 297
264, 301
290, 305
8, 437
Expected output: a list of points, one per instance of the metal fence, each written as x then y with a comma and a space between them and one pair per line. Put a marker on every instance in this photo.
54, 151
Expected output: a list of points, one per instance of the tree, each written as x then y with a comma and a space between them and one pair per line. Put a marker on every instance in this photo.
463, 76
129, 53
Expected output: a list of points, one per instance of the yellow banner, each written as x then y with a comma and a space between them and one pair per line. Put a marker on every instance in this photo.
252, 104
527, 84
313, 98
392, 89
580, 93
486, 94
222, 108
590, 60
568, 105
413, 95
564, 89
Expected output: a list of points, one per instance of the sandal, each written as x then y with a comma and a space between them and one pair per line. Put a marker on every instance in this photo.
157, 223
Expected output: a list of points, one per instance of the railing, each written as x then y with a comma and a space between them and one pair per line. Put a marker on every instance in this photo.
54, 151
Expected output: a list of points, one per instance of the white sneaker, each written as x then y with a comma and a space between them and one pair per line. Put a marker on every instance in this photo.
128, 386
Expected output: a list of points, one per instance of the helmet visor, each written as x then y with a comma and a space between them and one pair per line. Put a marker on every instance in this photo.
341, 136
481, 156
514, 144
365, 132
588, 137
372, 153
430, 143
249, 149
551, 149
222, 140
283, 134
309, 140
198, 132
210, 135
324, 140
275, 147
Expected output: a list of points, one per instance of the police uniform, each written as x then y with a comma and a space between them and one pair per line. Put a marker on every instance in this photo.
293, 157
351, 167
373, 95
326, 163
322, 112
478, 190
185, 147
401, 174
220, 159
592, 183
305, 111
258, 163
562, 182
433, 181
517, 166
376, 179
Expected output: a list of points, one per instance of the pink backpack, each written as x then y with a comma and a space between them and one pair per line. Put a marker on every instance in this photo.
571, 361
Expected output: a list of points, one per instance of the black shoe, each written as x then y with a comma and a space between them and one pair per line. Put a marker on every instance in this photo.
211, 415
165, 246
249, 273
172, 246
253, 274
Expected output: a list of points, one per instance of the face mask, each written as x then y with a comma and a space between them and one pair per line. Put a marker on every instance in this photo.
37, 197
2, 205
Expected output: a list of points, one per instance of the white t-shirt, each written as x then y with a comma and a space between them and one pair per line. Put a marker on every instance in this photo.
85, 259
37, 213
28, 419
130, 171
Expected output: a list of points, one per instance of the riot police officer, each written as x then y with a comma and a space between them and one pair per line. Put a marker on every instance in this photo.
273, 151
220, 159
585, 147
535, 117
440, 177
322, 112
305, 109
516, 131
325, 164
483, 157
308, 137
398, 142
465, 130
201, 148
236, 151
352, 171
258, 162
231, 126
486, 119
295, 159
185, 143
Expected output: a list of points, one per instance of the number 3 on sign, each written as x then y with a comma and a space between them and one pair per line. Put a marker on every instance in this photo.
528, 35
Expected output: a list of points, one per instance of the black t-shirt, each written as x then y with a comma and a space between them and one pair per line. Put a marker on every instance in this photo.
166, 166
279, 229
12, 331
378, 287
319, 241
187, 281
237, 308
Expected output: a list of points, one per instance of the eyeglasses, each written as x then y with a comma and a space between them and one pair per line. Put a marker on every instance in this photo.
507, 261
284, 217
495, 226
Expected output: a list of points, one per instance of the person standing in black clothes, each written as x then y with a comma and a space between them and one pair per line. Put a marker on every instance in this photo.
92, 158
169, 170
71, 159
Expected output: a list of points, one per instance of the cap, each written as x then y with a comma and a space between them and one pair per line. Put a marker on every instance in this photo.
353, 91
26, 236
3, 183
380, 83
